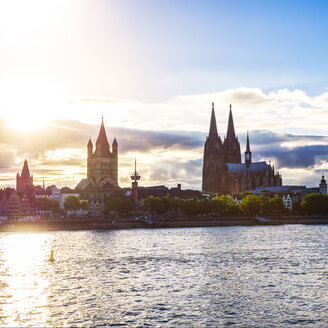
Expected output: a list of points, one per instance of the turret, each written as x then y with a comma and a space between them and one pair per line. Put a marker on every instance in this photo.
89, 160
114, 146
90, 148
248, 153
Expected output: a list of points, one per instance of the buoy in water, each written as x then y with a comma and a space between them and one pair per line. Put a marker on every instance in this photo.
51, 259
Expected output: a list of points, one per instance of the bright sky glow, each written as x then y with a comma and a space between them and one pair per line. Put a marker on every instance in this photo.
153, 68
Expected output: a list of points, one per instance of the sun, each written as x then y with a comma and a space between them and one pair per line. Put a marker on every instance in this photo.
23, 22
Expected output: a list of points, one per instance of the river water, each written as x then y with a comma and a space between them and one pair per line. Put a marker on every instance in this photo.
272, 276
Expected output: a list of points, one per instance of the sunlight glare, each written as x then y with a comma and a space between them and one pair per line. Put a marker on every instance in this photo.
23, 268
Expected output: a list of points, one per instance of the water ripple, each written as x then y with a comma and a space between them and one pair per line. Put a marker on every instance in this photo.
204, 277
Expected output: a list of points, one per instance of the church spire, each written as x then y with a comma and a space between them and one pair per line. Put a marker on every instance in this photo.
102, 137
248, 153
231, 128
102, 145
247, 143
213, 129
25, 171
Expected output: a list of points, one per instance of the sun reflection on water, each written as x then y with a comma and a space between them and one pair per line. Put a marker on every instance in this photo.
23, 283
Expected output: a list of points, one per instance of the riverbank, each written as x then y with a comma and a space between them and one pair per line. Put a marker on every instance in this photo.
91, 224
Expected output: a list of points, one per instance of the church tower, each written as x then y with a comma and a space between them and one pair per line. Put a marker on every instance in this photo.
24, 180
213, 160
231, 146
102, 163
248, 153
102, 170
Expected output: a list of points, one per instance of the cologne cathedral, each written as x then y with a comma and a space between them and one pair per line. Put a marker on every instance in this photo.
223, 171
102, 169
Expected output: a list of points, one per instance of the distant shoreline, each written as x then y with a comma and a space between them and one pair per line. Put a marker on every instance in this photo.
91, 224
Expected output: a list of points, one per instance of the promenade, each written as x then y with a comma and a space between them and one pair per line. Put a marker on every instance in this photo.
104, 224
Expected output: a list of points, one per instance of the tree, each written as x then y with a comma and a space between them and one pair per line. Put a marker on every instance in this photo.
274, 204
72, 203
84, 205
155, 205
175, 204
192, 207
47, 204
120, 204
252, 204
205, 206
224, 204
315, 204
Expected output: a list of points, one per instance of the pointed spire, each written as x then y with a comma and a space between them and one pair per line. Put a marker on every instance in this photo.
25, 170
102, 137
213, 129
89, 143
248, 153
231, 128
247, 143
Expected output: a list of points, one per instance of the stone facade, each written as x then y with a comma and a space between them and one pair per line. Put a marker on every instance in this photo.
102, 169
214, 168
223, 171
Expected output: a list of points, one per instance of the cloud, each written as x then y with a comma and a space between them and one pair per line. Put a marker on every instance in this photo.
74, 134
247, 96
139, 140
286, 126
96, 100
265, 137
7, 157
169, 157
305, 157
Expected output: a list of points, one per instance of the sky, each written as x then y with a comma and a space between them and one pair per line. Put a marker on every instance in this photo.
153, 68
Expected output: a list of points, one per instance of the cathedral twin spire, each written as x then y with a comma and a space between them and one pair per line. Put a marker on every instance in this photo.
231, 146
213, 129
231, 129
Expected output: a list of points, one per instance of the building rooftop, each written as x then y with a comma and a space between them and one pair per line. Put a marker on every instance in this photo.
257, 166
